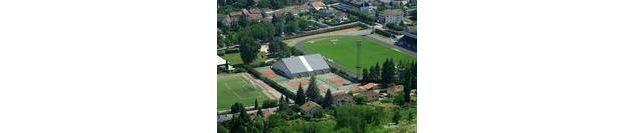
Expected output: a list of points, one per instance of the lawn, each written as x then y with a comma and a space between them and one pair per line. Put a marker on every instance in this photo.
235, 88
342, 50
234, 58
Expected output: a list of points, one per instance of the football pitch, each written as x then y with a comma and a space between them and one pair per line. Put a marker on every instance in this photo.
342, 50
236, 88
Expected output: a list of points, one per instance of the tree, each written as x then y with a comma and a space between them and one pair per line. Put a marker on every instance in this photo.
280, 28
411, 115
312, 91
358, 117
258, 125
236, 107
396, 117
259, 113
388, 72
248, 50
360, 99
269, 104
292, 26
299, 96
365, 75
303, 24
282, 104
327, 102
243, 20
264, 4
278, 49
394, 26
375, 73
251, 3
413, 69
407, 87
222, 129
399, 99
256, 104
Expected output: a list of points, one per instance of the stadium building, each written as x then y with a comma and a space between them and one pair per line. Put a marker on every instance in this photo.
301, 66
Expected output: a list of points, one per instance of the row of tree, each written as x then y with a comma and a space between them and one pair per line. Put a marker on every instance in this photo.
389, 73
313, 94
347, 118
274, 4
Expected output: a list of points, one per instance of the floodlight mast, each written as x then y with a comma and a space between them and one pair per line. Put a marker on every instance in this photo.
359, 45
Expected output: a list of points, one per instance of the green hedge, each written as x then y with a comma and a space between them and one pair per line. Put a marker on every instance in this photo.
344, 75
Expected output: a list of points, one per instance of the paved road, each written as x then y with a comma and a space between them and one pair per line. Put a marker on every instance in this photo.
227, 117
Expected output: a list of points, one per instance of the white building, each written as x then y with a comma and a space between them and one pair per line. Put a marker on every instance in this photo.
369, 9
391, 16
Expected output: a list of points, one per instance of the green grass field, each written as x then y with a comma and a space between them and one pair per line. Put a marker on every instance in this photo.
234, 58
234, 88
343, 50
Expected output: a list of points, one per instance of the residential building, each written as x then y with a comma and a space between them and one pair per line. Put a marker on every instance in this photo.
309, 109
394, 90
342, 98
369, 9
392, 16
318, 5
341, 16
366, 87
371, 95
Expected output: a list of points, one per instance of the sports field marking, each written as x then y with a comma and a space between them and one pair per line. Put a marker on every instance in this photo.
396, 49
243, 79
235, 88
373, 51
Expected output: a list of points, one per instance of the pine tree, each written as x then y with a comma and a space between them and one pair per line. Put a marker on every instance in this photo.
312, 91
388, 72
376, 73
299, 96
407, 87
282, 105
365, 75
327, 102
256, 104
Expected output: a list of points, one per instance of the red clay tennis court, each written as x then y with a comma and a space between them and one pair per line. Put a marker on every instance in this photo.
336, 81
270, 74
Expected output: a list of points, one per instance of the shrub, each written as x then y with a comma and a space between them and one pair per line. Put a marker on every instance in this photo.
269, 103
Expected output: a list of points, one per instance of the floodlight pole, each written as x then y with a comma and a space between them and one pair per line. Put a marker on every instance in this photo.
359, 45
